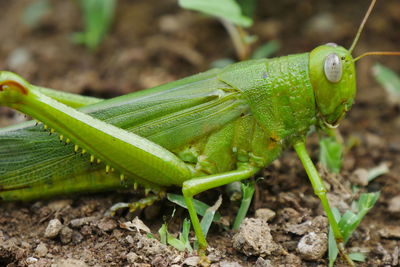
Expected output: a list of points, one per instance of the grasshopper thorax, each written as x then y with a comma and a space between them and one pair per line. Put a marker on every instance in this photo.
332, 75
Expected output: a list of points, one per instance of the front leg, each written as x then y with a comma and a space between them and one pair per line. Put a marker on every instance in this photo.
320, 191
130, 154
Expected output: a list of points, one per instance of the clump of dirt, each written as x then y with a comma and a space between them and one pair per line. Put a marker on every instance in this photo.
153, 42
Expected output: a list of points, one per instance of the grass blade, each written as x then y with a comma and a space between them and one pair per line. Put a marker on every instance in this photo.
98, 16
226, 9
248, 192
200, 207
330, 154
377, 171
208, 217
184, 236
349, 222
357, 256
389, 80
332, 247
163, 232
266, 50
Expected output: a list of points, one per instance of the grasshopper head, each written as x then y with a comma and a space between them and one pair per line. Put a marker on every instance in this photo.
333, 78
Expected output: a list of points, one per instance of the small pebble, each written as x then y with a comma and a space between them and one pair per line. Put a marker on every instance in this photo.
192, 261
66, 235
69, 263
41, 250
129, 239
107, 224
313, 246
230, 264
263, 263
265, 214
18, 58
317, 224
394, 204
254, 238
25, 244
31, 260
160, 261
86, 230
57, 205
132, 257
390, 231
360, 177
75, 223
77, 237
53, 228
135, 225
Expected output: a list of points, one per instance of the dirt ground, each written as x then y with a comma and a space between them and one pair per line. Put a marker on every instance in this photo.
153, 42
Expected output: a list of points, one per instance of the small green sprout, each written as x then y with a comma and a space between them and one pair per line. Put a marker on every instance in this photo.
209, 214
200, 207
331, 153
266, 50
35, 11
234, 16
348, 223
248, 192
98, 16
228, 10
390, 81
180, 244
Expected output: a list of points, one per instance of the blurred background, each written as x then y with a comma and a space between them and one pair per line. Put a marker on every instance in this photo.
111, 47
106, 48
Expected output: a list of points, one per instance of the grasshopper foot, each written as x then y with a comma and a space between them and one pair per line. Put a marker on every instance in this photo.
141, 204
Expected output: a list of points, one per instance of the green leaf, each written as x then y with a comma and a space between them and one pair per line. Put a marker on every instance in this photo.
208, 218
176, 243
357, 256
98, 16
35, 11
184, 236
163, 232
266, 50
367, 202
349, 222
248, 7
200, 207
180, 244
389, 80
150, 235
377, 171
332, 247
248, 192
330, 154
226, 9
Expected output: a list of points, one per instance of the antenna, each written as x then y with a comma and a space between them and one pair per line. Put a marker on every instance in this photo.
360, 29
377, 53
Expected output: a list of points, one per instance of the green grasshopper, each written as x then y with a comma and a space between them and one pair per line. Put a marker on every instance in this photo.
201, 132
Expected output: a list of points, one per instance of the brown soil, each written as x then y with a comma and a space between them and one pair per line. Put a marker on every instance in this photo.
154, 42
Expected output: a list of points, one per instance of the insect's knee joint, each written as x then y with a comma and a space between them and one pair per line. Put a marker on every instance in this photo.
13, 85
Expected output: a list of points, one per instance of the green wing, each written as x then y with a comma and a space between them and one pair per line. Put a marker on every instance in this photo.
171, 115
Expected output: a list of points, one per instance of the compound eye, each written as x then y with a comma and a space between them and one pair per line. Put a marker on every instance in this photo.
333, 68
